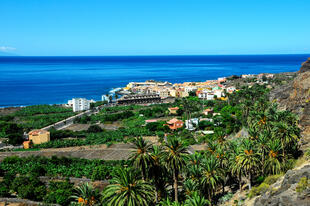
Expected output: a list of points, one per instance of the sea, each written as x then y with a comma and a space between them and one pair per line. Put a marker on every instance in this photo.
54, 80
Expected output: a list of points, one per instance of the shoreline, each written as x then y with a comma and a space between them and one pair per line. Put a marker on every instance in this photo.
116, 90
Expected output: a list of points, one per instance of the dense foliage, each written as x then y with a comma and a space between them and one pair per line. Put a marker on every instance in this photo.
64, 167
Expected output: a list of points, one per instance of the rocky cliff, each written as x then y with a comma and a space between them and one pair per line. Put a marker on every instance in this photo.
290, 190
295, 97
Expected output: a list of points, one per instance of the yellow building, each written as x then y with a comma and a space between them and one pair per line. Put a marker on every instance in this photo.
39, 136
173, 93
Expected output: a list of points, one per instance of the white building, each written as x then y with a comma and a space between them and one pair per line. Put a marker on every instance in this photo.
205, 94
247, 76
218, 93
80, 104
105, 98
190, 88
191, 124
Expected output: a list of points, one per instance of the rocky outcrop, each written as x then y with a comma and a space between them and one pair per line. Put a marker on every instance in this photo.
305, 67
284, 191
295, 97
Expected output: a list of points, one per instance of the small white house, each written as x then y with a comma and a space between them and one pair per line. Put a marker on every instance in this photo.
191, 124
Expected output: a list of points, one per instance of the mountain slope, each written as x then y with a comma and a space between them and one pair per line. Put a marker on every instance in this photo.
296, 97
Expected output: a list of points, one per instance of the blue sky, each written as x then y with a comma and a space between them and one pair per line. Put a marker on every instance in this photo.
154, 27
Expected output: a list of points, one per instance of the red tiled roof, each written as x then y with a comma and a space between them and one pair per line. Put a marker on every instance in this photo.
151, 120
172, 121
37, 131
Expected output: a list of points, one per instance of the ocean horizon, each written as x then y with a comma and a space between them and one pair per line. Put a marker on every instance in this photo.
31, 80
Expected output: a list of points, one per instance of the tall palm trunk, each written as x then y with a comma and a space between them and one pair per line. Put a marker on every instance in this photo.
210, 197
263, 161
250, 186
240, 182
175, 185
143, 172
283, 153
156, 196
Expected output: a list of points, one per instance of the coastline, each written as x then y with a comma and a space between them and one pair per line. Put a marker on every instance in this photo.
119, 91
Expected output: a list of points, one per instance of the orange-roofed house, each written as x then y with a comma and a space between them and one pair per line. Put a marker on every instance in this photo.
208, 111
173, 110
175, 124
39, 136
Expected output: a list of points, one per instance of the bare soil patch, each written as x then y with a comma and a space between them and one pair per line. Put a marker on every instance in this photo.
78, 127
8, 110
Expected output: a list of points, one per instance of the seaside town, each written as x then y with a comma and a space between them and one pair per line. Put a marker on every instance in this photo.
87, 144
165, 92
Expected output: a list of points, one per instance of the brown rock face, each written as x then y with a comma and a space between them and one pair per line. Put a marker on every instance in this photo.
296, 98
305, 67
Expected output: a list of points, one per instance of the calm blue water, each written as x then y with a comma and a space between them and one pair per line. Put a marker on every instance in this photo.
48, 80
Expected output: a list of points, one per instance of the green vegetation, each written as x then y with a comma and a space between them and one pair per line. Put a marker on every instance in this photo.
264, 186
64, 167
167, 174
303, 184
127, 189
59, 192
255, 191
31, 117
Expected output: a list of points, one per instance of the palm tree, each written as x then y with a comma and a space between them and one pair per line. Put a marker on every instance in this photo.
85, 195
194, 172
249, 159
190, 186
110, 98
168, 202
288, 134
173, 156
157, 173
273, 163
222, 157
195, 159
141, 156
196, 200
234, 163
236, 168
212, 175
126, 189
262, 140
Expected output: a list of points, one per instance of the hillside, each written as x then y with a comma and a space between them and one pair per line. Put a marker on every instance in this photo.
295, 97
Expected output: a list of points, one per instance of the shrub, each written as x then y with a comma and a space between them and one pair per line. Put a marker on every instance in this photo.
94, 129
272, 179
29, 188
100, 173
255, 191
307, 153
303, 184
226, 197
59, 192
4, 190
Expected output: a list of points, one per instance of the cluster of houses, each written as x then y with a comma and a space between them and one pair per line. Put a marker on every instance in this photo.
190, 124
209, 89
